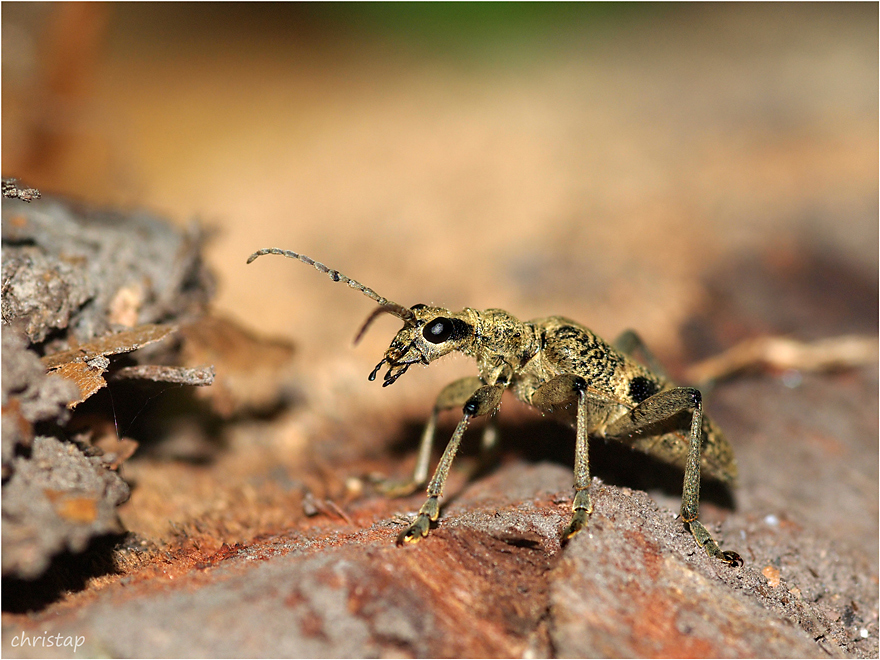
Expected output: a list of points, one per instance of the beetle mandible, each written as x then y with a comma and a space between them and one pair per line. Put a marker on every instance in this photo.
555, 365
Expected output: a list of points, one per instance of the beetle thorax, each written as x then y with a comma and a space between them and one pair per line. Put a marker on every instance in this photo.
502, 345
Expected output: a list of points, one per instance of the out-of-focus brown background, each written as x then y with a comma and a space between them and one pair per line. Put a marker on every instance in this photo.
701, 173
594, 161
601, 162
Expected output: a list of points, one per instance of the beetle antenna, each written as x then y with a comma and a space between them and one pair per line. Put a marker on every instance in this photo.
384, 309
403, 313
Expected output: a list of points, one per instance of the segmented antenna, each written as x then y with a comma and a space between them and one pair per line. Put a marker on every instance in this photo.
389, 306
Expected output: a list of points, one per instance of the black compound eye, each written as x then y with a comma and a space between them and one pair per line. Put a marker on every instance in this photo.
438, 330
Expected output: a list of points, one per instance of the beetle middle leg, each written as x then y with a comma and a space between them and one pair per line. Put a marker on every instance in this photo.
482, 402
558, 392
654, 410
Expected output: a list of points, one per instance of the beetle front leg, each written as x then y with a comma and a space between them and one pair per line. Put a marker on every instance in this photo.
482, 402
556, 393
656, 409
452, 396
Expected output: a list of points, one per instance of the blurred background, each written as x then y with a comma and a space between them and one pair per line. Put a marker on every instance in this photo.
599, 161
627, 165
571, 158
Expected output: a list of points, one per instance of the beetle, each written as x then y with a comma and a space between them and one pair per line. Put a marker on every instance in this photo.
557, 366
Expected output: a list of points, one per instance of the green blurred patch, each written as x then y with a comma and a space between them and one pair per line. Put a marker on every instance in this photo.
472, 28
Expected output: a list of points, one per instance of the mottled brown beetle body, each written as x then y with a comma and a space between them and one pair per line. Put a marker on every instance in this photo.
622, 383
559, 367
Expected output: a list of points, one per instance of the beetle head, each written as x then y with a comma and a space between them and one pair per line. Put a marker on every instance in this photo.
428, 333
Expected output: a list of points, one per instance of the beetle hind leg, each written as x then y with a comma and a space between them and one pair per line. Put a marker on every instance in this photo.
706, 542
658, 408
630, 342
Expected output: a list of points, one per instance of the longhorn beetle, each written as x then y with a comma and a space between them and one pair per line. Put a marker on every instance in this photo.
555, 365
